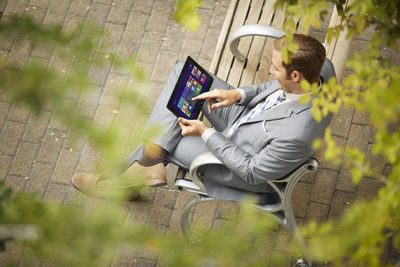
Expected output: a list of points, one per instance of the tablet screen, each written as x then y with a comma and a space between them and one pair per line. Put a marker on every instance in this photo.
193, 80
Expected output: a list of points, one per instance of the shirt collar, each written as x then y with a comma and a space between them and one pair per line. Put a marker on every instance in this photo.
295, 97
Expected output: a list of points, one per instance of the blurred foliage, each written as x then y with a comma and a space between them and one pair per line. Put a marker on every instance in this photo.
373, 88
186, 14
72, 236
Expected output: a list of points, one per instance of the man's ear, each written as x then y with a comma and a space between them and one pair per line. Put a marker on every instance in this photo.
296, 76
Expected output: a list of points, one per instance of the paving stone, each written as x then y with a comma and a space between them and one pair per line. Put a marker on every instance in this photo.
143, 6
308, 178
360, 118
24, 159
57, 11
341, 122
114, 84
36, 127
218, 17
300, 198
359, 137
344, 182
358, 46
10, 137
20, 53
98, 14
228, 209
128, 49
173, 38
324, 185
39, 178
160, 14
136, 27
175, 225
71, 23
376, 161
150, 48
11, 255
165, 63
165, 198
17, 184
66, 166
199, 34
17, 113
56, 193
89, 160
79, 7
5, 164
4, 110
113, 37
120, 12
210, 43
52, 145
38, 14
190, 48
340, 202
317, 212
182, 199
88, 101
39, 3
329, 164
98, 76
124, 257
15, 7
368, 188
204, 213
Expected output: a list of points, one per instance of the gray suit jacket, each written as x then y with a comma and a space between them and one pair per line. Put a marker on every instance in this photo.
269, 146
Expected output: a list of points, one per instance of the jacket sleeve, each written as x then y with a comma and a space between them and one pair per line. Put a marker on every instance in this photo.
278, 158
253, 90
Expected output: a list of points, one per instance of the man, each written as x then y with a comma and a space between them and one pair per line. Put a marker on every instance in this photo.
261, 132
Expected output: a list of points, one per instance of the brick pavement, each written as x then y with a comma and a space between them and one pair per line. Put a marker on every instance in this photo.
36, 154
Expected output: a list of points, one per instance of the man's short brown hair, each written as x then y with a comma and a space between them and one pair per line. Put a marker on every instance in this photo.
307, 60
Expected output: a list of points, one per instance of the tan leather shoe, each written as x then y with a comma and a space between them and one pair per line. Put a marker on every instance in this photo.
124, 187
156, 175
94, 185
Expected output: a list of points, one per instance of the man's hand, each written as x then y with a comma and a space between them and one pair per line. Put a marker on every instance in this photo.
191, 127
219, 98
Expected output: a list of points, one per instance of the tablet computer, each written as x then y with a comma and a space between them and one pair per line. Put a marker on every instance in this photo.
193, 80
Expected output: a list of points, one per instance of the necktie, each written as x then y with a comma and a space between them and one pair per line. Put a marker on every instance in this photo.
271, 101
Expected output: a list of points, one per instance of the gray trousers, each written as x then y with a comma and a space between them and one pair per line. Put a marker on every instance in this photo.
182, 150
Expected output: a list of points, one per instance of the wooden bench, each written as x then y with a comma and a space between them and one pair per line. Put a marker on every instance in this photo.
254, 70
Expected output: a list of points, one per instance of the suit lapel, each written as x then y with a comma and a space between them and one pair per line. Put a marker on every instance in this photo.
284, 110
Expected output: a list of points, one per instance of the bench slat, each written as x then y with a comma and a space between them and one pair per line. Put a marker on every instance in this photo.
227, 57
263, 72
257, 46
223, 37
244, 44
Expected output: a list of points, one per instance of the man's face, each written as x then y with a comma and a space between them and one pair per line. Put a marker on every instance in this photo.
279, 72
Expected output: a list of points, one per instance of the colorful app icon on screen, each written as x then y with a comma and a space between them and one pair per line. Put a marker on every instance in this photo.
198, 89
198, 74
202, 79
195, 83
181, 102
194, 71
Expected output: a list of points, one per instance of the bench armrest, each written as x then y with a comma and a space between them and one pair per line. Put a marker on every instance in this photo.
206, 158
251, 30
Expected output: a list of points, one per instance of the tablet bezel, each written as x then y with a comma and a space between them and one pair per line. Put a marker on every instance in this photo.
178, 83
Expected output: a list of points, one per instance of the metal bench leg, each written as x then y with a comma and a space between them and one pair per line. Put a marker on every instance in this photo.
185, 225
